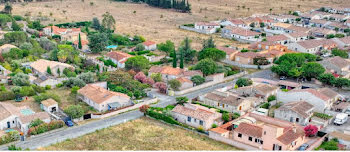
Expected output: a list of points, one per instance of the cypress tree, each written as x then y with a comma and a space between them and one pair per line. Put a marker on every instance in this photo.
80, 46
182, 59
174, 60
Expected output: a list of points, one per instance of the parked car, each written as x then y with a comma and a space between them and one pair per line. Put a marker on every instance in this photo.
283, 77
341, 118
69, 123
303, 147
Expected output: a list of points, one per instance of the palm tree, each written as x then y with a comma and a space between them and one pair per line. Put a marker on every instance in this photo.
8, 8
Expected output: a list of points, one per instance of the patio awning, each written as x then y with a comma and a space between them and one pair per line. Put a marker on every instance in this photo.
114, 105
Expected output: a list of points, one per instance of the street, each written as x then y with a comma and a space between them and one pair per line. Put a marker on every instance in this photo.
76, 131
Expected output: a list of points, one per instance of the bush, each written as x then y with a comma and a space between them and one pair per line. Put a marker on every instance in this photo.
214, 125
266, 105
9, 137
45, 127
271, 98
163, 117
200, 129
244, 82
7, 95
44, 96
35, 123
74, 111
322, 115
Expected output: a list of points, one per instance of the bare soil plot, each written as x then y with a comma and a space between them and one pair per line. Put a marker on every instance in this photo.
160, 24
141, 134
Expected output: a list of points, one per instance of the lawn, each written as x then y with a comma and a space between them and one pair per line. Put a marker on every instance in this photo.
67, 99
141, 134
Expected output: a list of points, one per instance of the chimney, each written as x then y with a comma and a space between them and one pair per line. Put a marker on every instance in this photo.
294, 128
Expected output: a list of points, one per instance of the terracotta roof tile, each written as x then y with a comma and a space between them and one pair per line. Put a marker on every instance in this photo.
196, 111
41, 65
49, 102
300, 107
148, 43
99, 94
249, 129
119, 56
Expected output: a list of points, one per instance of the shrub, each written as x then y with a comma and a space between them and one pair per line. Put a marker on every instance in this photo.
200, 129
310, 130
44, 96
7, 95
244, 82
266, 105
271, 98
214, 125
181, 100
74, 111
322, 115
35, 123
9, 137
163, 117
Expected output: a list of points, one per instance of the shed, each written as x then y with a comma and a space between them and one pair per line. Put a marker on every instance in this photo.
49, 105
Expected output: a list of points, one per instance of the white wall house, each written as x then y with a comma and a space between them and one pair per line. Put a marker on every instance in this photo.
119, 58
240, 34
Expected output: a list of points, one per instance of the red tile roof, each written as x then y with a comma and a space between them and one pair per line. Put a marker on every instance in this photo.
227, 50
249, 129
242, 31
149, 43
119, 56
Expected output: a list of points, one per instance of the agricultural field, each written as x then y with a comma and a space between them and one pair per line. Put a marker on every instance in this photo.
141, 134
161, 24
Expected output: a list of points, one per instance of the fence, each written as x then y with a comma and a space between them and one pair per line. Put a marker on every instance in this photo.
208, 84
248, 66
136, 106
195, 30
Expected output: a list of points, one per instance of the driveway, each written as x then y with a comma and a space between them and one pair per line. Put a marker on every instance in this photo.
76, 131
331, 127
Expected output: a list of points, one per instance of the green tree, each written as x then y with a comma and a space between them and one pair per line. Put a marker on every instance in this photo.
139, 47
312, 70
137, 63
181, 100
181, 59
244, 82
15, 26
87, 77
96, 24
58, 71
174, 60
80, 46
211, 53
20, 79
166, 47
17, 37
207, 66
98, 42
327, 78
174, 84
108, 21
48, 70
157, 77
197, 79
341, 53
8, 8
74, 90
226, 117
208, 43
188, 53
35, 122
342, 82
74, 111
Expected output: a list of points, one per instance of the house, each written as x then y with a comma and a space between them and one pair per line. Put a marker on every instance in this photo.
321, 32
347, 23
118, 57
185, 83
289, 85
337, 26
318, 23
40, 67
49, 105
284, 18
312, 46
6, 48
230, 52
280, 28
343, 42
233, 22
321, 99
337, 65
293, 29
44, 81
211, 27
338, 17
279, 38
227, 101
268, 46
14, 117
102, 99
150, 45
296, 112
4, 75
248, 57
54, 30
240, 34
260, 132
72, 37
196, 116
260, 90
84, 45
343, 138
169, 73
297, 36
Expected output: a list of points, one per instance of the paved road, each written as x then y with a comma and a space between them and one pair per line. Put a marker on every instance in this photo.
74, 132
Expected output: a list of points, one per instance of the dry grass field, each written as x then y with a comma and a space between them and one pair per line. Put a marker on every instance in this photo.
141, 134
160, 24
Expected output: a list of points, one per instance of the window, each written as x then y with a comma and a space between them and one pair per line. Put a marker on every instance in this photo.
201, 122
297, 119
250, 138
189, 119
239, 135
261, 142
195, 120
264, 132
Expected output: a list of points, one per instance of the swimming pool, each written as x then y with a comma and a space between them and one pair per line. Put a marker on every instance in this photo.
111, 47
9, 130
27, 112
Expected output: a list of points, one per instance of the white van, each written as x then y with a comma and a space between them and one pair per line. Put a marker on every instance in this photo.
341, 118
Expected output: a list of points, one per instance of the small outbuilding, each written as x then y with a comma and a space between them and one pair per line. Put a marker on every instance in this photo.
49, 105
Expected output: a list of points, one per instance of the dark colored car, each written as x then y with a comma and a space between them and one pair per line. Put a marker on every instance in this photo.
69, 123
303, 147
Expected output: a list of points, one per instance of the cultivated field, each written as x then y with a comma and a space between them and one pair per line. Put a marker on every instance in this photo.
141, 134
160, 24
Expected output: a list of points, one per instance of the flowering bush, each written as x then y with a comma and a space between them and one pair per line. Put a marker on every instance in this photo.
44, 127
310, 130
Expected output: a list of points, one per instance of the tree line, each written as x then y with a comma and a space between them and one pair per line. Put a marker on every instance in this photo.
179, 5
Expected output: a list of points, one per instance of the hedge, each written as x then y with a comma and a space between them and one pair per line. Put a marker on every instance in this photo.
163, 117
9, 137
45, 127
204, 105
322, 116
